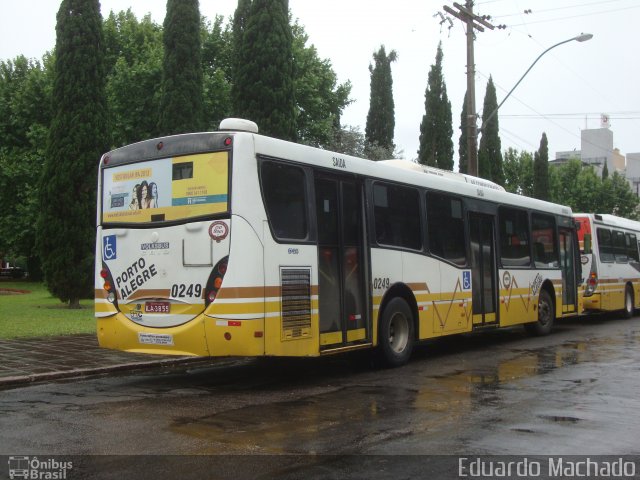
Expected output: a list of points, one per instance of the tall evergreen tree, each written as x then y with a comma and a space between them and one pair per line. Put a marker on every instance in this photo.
463, 154
381, 121
436, 129
181, 101
77, 138
541, 170
265, 78
605, 171
489, 153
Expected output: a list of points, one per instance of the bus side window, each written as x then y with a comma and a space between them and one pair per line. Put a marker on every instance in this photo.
446, 228
285, 199
605, 245
632, 248
397, 216
620, 247
543, 231
514, 238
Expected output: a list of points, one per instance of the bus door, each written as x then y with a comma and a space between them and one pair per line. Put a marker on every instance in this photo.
341, 262
483, 269
568, 256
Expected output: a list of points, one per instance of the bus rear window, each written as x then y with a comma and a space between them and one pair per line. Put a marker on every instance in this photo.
168, 189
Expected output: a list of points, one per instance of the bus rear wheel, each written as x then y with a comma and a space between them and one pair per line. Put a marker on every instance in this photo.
546, 316
395, 333
628, 302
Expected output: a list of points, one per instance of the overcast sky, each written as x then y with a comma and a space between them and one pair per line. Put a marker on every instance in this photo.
565, 92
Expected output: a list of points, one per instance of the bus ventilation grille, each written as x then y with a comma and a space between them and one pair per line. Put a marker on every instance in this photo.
296, 302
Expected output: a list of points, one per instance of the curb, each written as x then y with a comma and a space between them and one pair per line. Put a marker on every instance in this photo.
90, 371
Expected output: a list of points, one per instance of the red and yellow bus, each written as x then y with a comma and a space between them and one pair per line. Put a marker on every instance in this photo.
610, 262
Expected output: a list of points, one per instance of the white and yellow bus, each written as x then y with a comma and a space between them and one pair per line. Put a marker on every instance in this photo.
610, 262
233, 243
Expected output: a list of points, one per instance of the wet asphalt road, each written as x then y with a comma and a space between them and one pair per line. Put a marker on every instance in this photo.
576, 391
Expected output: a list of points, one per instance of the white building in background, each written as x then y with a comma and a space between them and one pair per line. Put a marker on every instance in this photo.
596, 149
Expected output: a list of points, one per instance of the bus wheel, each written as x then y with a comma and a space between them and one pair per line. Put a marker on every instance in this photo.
546, 316
628, 302
395, 333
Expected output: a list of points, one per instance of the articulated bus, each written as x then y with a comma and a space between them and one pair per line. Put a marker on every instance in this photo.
232, 243
610, 262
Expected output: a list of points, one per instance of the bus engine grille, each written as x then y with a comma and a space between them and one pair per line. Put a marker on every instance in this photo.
296, 302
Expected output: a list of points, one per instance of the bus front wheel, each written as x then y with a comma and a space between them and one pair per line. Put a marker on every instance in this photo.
546, 316
395, 333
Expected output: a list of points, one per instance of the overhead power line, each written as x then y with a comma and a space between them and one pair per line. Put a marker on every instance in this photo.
566, 7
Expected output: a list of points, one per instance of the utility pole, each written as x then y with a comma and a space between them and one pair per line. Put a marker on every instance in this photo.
472, 21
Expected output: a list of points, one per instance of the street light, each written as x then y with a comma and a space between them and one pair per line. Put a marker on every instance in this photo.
583, 37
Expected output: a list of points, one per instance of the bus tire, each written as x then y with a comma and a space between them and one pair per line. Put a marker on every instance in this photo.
546, 316
628, 302
395, 333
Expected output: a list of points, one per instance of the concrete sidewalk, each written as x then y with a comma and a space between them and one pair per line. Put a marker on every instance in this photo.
26, 360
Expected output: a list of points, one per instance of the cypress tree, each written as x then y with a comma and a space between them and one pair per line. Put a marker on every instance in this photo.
541, 170
381, 121
264, 82
463, 155
77, 137
181, 92
436, 129
605, 170
489, 153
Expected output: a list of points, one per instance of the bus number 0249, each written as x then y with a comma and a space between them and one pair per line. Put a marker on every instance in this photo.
181, 290
381, 283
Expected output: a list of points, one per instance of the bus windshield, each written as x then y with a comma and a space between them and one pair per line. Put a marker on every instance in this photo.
166, 189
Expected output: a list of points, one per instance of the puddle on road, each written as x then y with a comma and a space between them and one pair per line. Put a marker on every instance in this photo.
351, 419
560, 419
322, 423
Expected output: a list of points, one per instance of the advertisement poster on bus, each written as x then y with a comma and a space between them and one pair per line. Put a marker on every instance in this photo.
166, 189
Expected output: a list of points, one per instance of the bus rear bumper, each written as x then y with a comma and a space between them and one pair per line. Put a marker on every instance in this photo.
203, 336
119, 333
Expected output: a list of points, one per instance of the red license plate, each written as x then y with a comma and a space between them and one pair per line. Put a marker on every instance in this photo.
157, 307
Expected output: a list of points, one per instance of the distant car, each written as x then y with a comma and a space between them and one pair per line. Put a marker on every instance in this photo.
12, 272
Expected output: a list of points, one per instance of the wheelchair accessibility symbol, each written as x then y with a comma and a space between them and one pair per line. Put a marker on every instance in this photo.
109, 250
466, 280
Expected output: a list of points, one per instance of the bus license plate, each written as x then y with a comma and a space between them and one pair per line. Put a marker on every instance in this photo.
157, 307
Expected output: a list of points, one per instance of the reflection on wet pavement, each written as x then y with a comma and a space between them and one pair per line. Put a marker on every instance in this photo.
573, 392
505, 403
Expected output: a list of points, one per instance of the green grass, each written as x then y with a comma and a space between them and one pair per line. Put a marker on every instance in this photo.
37, 313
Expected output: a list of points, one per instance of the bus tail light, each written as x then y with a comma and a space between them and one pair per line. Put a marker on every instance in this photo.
215, 281
592, 283
107, 284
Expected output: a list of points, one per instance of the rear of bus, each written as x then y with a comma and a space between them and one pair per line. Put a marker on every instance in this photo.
163, 243
589, 268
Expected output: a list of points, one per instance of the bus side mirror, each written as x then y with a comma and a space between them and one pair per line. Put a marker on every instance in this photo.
587, 243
